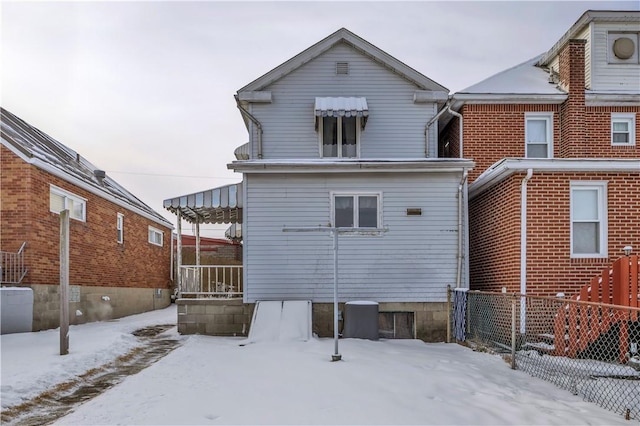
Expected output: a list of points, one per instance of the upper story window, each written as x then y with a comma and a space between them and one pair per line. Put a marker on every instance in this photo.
539, 135
623, 126
120, 227
588, 219
339, 122
59, 200
155, 236
356, 210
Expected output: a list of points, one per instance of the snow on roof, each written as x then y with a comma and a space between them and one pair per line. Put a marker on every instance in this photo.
525, 79
33, 144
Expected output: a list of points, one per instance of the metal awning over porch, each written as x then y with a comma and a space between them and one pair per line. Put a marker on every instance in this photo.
217, 205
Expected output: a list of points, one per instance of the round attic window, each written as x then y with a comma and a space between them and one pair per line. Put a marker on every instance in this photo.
624, 48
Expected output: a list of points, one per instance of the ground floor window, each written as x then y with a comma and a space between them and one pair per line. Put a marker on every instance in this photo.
588, 219
155, 236
356, 210
120, 227
59, 200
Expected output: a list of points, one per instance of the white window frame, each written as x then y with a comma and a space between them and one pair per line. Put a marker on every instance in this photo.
548, 118
66, 197
339, 148
155, 232
120, 228
601, 188
630, 119
355, 195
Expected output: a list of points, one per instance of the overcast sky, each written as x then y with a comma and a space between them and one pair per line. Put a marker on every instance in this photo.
144, 90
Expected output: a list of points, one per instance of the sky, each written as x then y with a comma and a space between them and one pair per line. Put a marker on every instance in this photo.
144, 90
214, 380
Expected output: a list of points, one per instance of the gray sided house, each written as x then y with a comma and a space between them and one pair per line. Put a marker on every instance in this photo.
342, 135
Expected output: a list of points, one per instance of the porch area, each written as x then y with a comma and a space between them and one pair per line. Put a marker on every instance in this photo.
210, 296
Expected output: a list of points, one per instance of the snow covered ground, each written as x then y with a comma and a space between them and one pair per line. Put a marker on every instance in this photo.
213, 380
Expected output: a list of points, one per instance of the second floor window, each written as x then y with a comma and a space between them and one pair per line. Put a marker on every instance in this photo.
538, 135
623, 129
155, 236
339, 136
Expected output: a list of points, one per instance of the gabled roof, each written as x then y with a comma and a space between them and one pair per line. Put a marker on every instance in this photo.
344, 36
41, 150
586, 18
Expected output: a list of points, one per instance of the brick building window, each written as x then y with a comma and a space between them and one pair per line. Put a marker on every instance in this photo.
588, 219
120, 227
623, 129
59, 200
538, 135
356, 210
155, 236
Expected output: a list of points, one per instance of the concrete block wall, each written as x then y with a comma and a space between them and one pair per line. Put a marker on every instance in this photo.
214, 317
95, 303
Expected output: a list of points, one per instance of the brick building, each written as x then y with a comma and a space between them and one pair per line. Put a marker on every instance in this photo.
120, 249
555, 194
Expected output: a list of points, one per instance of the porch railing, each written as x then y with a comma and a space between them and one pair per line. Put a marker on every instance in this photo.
12, 269
211, 281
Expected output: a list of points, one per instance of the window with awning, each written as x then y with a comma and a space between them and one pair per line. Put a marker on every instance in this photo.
339, 121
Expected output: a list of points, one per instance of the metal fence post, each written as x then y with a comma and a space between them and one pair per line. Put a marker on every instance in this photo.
513, 332
449, 313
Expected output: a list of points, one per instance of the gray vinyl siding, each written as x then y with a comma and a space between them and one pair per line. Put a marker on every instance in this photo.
606, 76
412, 262
395, 128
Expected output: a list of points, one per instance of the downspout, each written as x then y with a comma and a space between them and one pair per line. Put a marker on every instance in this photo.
429, 124
460, 207
255, 121
523, 248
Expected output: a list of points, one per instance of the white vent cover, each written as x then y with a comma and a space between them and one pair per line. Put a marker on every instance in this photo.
342, 68
624, 48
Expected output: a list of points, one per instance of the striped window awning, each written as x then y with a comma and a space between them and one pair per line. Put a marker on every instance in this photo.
342, 107
217, 205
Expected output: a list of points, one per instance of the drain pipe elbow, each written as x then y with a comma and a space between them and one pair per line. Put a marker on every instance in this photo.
460, 207
254, 120
428, 126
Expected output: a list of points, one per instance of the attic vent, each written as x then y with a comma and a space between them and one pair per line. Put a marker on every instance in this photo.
342, 68
624, 48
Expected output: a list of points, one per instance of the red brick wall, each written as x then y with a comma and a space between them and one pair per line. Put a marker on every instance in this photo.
96, 258
494, 238
550, 268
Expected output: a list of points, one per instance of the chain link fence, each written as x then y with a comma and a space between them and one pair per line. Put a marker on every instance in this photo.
589, 349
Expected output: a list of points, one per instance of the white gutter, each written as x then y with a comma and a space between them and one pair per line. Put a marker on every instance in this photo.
460, 207
254, 120
523, 247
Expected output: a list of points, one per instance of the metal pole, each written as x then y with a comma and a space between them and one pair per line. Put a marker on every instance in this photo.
513, 333
336, 356
64, 282
179, 254
449, 313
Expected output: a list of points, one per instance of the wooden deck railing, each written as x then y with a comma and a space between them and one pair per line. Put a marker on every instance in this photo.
609, 297
12, 267
211, 281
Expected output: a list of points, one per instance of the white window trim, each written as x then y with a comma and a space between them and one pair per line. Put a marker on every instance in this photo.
68, 195
628, 118
158, 232
548, 117
334, 194
120, 227
601, 187
321, 137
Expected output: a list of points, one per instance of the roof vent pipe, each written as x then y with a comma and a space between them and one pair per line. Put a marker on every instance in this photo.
247, 114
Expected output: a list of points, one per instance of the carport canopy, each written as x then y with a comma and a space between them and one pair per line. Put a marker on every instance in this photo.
217, 205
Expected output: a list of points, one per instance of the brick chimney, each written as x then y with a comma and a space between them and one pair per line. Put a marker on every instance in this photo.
571, 141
